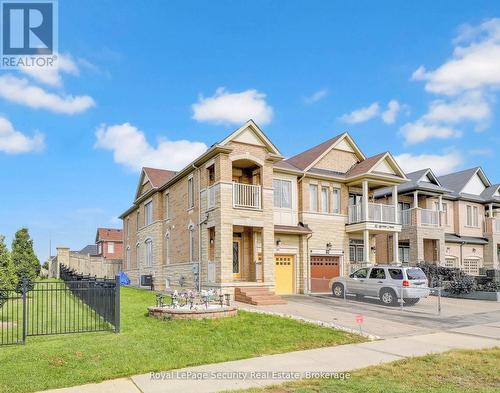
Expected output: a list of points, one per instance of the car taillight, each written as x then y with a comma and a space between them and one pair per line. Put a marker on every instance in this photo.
406, 283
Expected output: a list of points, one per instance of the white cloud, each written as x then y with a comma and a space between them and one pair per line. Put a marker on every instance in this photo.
316, 96
469, 106
52, 75
393, 108
475, 65
14, 142
361, 115
421, 131
20, 91
130, 148
226, 107
440, 164
486, 152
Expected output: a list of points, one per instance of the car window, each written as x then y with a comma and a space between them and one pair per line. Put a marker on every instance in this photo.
396, 274
378, 273
361, 273
415, 274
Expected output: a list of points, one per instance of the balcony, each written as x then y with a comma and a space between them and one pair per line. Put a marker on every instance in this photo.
377, 212
246, 196
492, 225
420, 217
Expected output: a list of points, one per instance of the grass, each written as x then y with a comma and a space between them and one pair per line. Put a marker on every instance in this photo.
454, 371
148, 344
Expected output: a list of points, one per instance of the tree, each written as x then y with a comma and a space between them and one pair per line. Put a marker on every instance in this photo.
8, 278
25, 262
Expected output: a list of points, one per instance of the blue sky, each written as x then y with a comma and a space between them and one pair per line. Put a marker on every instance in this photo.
152, 83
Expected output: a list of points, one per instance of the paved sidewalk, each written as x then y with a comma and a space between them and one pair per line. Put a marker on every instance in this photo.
340, 359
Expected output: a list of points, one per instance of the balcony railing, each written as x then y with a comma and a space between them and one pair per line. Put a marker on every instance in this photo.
424, 217
246, 196
377, 212
211, 197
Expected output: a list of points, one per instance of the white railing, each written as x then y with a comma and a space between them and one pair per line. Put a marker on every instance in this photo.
377, 212
382, 213
246, 195
405, 217
211, 197
429, 217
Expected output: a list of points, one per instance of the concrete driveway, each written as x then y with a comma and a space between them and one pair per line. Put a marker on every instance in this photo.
387, 322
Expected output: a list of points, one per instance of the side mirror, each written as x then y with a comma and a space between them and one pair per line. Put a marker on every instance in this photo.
351, 275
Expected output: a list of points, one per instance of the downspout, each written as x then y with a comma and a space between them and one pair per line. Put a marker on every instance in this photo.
199, 228
308, 268
461, 255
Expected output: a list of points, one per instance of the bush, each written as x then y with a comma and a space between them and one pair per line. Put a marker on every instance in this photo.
462, 285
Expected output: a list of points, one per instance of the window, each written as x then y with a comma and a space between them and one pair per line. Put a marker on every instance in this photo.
404, 206
336, 200
356, 250
191, 243
111, 247
99, 248
190, 193
167, 249
472, 216
282, 193
127, 259
355, 199
313, 197
396, 274
167, 206
445, 213
149, 253
361, 273
415, 273
377, 273
138, 216
324, 199
404, 253
148, 212
127, 227
137, 255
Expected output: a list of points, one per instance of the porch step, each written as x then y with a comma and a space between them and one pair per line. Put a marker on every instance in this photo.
257, 296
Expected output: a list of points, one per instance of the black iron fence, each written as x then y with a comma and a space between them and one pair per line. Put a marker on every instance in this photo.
74, 304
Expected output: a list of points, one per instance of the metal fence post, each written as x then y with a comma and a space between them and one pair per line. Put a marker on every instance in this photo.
24, 294
439, 301
117, 304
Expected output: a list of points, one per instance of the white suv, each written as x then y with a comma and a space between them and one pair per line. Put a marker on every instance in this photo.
387, 282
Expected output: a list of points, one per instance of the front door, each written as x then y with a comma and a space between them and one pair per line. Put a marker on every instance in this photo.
284, 274
237, 258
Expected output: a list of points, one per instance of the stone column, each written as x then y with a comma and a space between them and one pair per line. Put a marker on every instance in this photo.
366, 245
395, 247
365, 200
395, 203
415, 199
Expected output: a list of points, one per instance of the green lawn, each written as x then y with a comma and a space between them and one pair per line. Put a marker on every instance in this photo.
148, 344
454, 371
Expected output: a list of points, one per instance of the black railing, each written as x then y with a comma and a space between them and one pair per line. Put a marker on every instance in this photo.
75, 304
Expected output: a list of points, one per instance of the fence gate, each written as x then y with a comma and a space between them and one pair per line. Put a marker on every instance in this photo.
75, 304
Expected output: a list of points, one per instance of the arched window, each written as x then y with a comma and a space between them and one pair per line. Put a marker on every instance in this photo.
149, 253
127, 259
167, 248
137, 255
191, 242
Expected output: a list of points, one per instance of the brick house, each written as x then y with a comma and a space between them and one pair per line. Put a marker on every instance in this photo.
242, 218
109, 242
452, 220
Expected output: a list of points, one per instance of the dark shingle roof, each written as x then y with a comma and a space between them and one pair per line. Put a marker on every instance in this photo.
365, 166
90, 249
458, 180
415, 184
452, 238
489, 193
306, 158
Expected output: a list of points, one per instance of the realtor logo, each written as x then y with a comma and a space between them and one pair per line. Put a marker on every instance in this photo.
29, 33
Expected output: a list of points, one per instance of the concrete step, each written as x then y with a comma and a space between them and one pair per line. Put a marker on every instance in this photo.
257, 296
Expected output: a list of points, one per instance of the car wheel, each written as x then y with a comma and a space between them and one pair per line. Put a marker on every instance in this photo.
388, 297
411, 302
338, 290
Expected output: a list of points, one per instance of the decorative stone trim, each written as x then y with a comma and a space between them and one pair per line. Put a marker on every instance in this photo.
169, 313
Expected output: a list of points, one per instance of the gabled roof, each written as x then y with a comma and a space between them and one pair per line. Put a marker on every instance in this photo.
371, 164
306, 160
109, 234
158, 177
258, 135
417, 182
490, 194
457, 181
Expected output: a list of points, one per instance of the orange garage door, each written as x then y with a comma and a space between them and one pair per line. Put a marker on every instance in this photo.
323, 269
